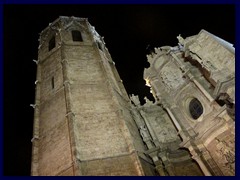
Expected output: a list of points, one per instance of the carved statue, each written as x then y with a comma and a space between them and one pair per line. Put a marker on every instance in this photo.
180, 39
147, 101
135, 99
143, 131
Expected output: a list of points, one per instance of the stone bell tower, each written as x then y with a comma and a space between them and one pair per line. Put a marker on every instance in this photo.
82, 125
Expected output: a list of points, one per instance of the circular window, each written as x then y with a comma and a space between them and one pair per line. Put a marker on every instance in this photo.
195, 108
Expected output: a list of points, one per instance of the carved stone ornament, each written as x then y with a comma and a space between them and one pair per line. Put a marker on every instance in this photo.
144, 132
147, 102
135, 99
226, 154
171, 78
180, 39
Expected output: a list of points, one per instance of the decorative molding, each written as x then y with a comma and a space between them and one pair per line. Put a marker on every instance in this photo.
223, 85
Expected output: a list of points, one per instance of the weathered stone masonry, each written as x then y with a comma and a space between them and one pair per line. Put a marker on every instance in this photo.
194, 83
85, 123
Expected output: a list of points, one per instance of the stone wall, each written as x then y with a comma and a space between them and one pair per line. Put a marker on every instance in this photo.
54, 146
85, 123
112, 166
201, 67
99, 126
85, 126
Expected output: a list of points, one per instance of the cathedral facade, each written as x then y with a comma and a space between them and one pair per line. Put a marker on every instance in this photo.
86, 124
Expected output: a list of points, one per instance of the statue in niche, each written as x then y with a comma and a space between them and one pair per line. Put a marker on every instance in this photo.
180, 42
227, 154
144, 132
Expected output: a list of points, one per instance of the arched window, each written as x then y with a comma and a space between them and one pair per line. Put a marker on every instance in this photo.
76, 35
195, 108
51, 43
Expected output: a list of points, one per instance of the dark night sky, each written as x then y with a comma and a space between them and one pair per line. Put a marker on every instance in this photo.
127, 29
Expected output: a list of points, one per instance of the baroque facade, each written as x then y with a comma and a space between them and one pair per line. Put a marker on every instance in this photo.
86, 124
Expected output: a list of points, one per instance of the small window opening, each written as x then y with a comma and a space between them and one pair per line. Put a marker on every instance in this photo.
51, 43
195, 108
76, 36
99, 46
221, 102
52, 82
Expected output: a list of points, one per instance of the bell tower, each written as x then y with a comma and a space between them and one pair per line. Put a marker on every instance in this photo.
82, 125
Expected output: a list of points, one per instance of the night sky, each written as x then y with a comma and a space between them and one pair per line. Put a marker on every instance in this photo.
127, 31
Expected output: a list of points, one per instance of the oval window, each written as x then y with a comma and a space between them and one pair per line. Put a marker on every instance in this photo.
195, 108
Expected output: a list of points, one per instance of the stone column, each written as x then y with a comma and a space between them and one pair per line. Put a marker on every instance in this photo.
198, 159
175, 121
202, 165
200, 87
170, 169
214, 167
158, 163
70, 115
152, 135
160, 169
167, 164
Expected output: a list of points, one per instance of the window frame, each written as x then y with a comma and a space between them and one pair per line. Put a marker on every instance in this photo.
76, 36
195, 108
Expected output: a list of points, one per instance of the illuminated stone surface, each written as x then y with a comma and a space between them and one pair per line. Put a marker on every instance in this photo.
86, 124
